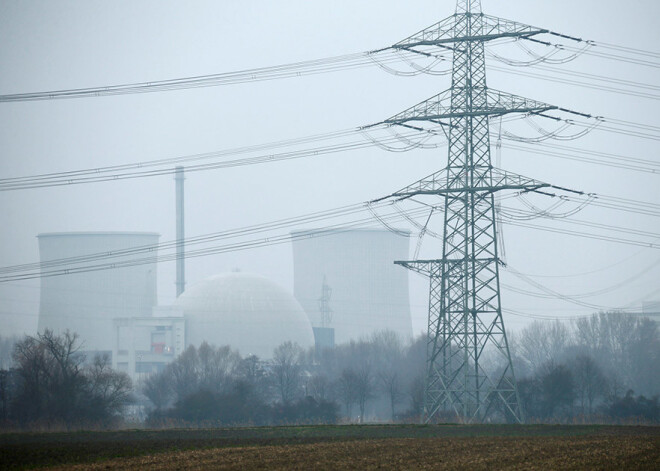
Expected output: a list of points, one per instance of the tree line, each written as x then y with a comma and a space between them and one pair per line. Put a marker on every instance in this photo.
599, 368
52, 384
603, 368
363, 380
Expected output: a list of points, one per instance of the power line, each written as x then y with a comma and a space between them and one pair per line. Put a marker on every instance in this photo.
618, 240
117, 173
628, 49
541, 317
291, 70
605, 55
51, 267
213, 250
591, 272
599, 123
150, 168
621, 91
606, 159
590, 294
183, 159
553, 293
316, 66
598, 78
206, 238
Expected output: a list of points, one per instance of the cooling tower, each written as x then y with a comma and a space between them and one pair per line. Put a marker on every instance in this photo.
369, 292
87, 303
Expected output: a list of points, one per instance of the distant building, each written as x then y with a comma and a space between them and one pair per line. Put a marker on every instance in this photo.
87, 303
248, 312
369, 292
145, 345
114, 310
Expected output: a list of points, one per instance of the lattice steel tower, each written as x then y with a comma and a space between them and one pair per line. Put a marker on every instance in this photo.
465, 314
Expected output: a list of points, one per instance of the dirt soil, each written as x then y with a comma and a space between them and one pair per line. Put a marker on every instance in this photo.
602, 452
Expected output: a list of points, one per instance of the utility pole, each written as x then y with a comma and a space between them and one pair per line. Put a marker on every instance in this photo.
465, 313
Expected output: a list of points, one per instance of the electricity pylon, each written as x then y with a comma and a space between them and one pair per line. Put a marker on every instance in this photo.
465, 313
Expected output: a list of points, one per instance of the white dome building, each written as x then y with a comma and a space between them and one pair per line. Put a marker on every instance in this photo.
248, 312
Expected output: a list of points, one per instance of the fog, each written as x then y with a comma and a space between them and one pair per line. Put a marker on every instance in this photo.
601, 369
54, 45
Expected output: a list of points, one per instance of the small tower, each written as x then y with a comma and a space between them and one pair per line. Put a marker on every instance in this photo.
324, 336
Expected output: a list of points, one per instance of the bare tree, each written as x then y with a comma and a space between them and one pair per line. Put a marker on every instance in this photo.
287, 370
183, 375
416, 394
319, 387
6, 378
108, 391
50, 369
644, 360
624, 346
56, 387
541, 343
364, 387
390, 382
557, 390
207, 368
347, 389
216, 367
65, 373
158, 389
32, 365
251, 370
387, 353
590, 382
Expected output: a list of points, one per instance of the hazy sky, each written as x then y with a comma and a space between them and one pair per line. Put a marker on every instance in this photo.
53, 44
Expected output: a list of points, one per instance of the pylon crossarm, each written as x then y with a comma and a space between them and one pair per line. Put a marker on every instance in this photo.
487, 189
445, 32
428, 36
424, 267
439, 109
437, 119
437, 184
427, 110
510, 103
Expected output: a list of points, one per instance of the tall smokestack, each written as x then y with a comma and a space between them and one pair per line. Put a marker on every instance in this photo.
180, 236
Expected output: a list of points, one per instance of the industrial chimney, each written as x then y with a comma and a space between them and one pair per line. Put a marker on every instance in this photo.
180, 236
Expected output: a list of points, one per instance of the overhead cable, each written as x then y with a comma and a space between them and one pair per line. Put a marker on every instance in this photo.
132, 171
291, 70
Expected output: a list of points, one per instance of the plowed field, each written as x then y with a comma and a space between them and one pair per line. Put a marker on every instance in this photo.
351, 447
410, 453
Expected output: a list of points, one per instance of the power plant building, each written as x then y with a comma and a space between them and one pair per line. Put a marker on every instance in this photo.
248, 312
145, 345
346, 287
369, 292
87, 303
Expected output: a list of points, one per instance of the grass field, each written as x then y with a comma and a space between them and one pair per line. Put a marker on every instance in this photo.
341, 447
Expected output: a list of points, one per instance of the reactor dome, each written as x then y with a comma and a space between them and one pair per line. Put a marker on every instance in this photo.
248, 312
